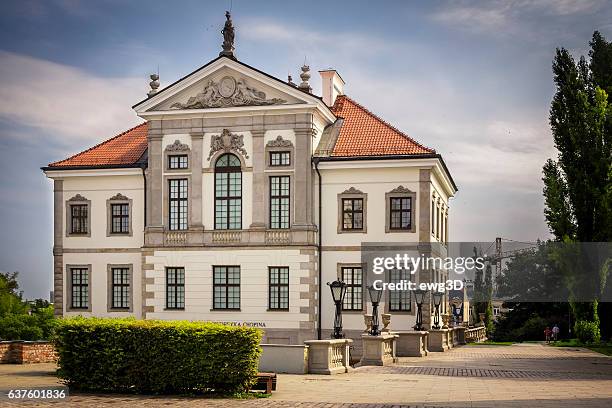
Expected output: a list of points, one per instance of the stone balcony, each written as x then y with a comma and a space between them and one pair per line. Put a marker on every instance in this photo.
158, 237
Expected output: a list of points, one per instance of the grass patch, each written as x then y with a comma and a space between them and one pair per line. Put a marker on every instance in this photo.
603, 348
492, 343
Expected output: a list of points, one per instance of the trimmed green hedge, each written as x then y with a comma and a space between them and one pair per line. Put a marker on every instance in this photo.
149, 356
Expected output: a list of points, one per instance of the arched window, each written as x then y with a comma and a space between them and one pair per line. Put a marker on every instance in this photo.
228, 192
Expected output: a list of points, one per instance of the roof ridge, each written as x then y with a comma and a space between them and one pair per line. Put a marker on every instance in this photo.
98, 145
375, 116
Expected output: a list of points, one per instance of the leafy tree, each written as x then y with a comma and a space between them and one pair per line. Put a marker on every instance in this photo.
10, 299
578, 201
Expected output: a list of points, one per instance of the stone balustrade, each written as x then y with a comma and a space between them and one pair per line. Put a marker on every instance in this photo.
278, 237
475, 334
226, 237
174, 238
329, 356
248, 237
378, 350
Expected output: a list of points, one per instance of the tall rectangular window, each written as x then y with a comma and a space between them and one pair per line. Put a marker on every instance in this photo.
80, 288
279, 202
178, 161
278, 291
352, 213
120, 288
399, 300
226, 287
433, 217
178, 204
353, 299
401, 213
78, 217
228, 193
175, 288
280, 159
120, 218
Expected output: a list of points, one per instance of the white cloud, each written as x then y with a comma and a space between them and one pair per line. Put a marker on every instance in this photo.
510, 17
64, 101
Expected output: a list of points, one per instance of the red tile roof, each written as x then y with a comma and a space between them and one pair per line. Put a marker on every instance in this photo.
365, 134
124, 149
362, 134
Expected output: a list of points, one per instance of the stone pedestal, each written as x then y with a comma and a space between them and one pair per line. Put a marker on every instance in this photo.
328, 356
378, 350
411, 344
460, 334
438, 340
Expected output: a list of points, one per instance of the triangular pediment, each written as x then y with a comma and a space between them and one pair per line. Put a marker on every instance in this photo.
225, 83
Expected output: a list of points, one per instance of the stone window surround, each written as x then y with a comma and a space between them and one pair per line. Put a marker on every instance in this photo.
364, 290
176, 149
109, 287
267, 206
212, 286
174, 309
279, 145
352, 192
118, 199
268, 309
166, 200
68, 272
77, 200
400, 192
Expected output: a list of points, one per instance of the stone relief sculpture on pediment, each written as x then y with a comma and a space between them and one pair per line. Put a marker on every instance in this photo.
227, 142
228, 92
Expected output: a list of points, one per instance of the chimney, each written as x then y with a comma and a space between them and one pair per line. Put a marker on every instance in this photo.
332, 85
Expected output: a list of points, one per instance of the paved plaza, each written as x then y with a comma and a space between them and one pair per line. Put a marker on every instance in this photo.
526, 375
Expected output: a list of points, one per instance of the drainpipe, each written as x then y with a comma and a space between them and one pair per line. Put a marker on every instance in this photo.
144, 177
319, 263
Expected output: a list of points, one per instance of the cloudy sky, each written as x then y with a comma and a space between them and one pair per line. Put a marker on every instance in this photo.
471, 79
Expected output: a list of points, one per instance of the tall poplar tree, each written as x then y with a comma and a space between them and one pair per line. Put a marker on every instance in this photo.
578, 185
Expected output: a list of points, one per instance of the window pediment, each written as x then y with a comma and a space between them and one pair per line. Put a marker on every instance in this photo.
177, 146
279, 142
227, 142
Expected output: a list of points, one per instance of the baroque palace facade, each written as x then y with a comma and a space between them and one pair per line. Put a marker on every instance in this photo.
237, 199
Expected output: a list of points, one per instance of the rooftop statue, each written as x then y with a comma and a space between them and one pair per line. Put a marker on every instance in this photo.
228, 36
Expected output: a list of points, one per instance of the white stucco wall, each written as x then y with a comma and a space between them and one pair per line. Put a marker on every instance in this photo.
98, 189
254, 265
98, 283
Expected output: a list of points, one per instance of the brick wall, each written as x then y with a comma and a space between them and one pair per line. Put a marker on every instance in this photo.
25, 352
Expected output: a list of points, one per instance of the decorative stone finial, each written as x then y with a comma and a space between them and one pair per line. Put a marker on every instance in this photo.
228, 37
154, 84
305, 75
290, 80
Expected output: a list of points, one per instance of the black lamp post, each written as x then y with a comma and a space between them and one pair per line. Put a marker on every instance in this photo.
419, 297
338, 290
375, 296
437, 299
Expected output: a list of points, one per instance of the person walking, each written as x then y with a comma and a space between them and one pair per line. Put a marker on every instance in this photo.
555, 332
547, 334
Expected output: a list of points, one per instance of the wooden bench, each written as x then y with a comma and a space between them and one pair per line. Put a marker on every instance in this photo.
265, 382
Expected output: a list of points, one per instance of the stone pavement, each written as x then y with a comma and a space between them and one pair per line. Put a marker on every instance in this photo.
526, 375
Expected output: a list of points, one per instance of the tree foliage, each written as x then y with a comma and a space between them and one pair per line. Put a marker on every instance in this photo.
578, 185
